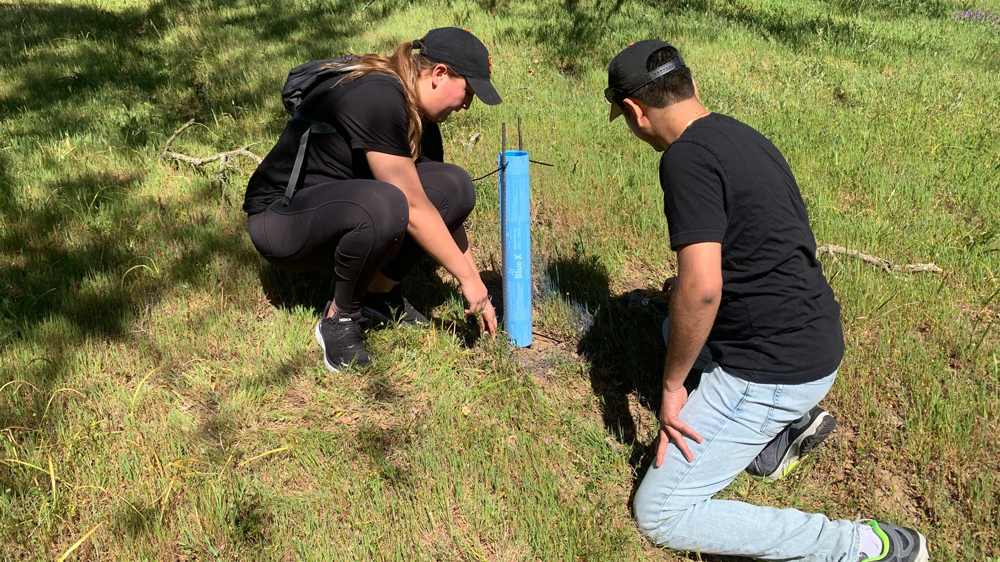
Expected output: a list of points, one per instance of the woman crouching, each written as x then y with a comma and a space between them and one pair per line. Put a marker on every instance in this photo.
374, 195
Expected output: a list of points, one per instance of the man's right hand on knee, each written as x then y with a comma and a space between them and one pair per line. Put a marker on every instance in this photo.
671, 426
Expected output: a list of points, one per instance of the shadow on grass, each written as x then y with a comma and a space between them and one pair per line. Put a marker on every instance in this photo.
89, 260
86, 50
622, 345
422, 286
64, 58
89, 264
382, 447
135, 518
55, 294
286, 290
426, 291
625, 349
576, 34
56, 280
279, 373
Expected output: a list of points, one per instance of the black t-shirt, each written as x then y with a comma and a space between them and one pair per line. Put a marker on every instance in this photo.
368, 113
778, 321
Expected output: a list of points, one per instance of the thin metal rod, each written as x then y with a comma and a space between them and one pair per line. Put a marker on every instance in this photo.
520, 143
503, 146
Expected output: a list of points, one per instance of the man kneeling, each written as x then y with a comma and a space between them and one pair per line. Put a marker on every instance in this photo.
749, 287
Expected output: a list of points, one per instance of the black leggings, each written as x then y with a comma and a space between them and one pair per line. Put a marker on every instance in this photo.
357, 227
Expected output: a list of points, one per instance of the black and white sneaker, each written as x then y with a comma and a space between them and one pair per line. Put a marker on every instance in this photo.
780, 456
391, 307
899, 544
341, 339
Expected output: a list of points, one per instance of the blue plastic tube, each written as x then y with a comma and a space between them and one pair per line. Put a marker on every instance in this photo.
515, 222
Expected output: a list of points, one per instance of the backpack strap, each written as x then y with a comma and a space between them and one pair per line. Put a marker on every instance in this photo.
300, 156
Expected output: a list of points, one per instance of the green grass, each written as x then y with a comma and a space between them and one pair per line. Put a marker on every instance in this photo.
160, 383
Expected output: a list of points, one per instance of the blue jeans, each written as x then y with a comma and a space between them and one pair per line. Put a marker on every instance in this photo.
736, 419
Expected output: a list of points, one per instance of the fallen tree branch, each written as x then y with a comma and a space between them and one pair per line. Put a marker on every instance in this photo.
167, 154
214, 158
881, 263
173, 137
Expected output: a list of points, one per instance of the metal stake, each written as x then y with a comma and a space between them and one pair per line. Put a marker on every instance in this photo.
503, 147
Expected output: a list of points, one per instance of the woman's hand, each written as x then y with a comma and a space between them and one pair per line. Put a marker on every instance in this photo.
475, 292
427, 227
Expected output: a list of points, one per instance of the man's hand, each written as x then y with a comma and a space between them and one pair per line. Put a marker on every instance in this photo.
694, 302
668, 286
671, 426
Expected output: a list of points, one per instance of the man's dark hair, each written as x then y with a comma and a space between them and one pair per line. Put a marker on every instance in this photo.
666, 90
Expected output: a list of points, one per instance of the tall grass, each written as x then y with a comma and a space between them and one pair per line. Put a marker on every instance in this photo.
162, 397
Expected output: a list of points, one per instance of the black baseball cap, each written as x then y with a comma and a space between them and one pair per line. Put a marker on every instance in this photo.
465, 54
627, 72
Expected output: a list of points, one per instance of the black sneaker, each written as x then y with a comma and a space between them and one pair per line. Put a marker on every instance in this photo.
899, 544
390, 307
341, 340
780, 456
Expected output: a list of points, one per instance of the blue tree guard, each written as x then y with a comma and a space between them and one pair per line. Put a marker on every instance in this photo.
515, 220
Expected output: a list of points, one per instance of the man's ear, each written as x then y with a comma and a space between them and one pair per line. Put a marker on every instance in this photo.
633, 108
695, 84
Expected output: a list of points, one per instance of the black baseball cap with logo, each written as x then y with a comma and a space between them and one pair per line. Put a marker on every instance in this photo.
627, 72
465, 54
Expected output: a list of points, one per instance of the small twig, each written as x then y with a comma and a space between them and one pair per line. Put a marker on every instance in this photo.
546, 337
170, 141
200, 90
167, 154
368, 4
141, 325
881, 263
208, 160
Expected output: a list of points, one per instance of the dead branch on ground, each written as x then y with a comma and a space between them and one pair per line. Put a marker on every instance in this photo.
224, 157
881, 263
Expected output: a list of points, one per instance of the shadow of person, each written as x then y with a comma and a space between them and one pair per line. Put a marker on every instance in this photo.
422, 286
624, 347
426, 290
625, 351
286, 289
621, 345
